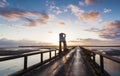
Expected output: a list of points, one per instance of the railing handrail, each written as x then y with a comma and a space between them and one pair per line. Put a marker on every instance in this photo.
23, 55
105, 55
108, 56
91, 57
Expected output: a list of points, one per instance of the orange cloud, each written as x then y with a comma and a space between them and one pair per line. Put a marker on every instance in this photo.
90, 2
75, 9
62, 23
91, 15
88, 17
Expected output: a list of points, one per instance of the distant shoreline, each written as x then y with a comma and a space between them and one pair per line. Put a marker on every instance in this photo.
7, 53
68, 46
73, 46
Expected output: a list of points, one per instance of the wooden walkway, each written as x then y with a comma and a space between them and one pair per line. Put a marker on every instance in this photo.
72, 64
79, 66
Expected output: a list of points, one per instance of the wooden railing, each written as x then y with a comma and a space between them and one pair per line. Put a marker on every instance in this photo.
26, 55
91, 57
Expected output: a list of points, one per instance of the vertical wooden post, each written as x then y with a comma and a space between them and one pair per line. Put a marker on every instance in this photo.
93, 58
55, 53
101, 64
41, 57
50, 54
25, 62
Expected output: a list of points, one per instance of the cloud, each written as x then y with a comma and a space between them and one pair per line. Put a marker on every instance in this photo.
94, 42
57, 10
106, 10
92, 30
37, 22
33, 18
91, 2
75, 9
8, 42
3, 3
89, 17
62, 23
110, 31
54, 8
81, 3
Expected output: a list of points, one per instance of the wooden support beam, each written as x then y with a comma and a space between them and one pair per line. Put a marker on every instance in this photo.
25, 62
41, 57
50, 54
101, 64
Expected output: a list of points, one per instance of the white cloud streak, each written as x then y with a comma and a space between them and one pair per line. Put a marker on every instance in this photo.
106, 10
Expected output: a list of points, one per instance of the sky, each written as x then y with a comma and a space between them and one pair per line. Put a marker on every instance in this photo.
39, 22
